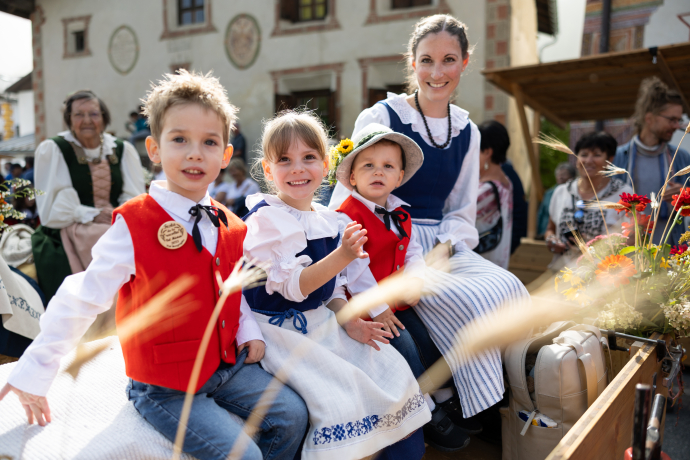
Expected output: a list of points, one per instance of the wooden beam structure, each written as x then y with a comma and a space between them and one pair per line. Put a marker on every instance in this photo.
671, 79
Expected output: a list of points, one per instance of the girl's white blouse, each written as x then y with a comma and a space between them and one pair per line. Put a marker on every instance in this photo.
59, 206
277, 233
460, 210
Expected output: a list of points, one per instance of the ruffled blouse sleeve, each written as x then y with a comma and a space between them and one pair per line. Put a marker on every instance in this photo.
59, 205
275, 237
460, 211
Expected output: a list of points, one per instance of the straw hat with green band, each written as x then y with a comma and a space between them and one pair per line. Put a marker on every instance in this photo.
343, 155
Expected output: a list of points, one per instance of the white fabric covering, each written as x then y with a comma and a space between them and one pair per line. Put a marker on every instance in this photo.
92, 418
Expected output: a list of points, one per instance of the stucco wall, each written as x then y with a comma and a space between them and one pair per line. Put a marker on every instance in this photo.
251, 89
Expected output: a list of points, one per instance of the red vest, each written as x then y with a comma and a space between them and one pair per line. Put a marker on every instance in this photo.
164, 354
386, 251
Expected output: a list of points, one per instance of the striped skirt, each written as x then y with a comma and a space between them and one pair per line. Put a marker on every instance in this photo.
473, 287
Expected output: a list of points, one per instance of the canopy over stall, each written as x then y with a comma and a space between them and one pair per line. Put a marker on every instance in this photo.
600, 87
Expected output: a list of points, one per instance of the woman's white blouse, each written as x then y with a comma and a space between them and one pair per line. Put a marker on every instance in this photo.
358, 274
59, 206
460, 210
277, 233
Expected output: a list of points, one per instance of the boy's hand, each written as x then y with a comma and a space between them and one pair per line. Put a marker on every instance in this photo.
256, 351
389, 321
367, 332
34, 406
353, 241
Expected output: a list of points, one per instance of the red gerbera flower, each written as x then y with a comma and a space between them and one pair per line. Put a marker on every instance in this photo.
677, 250
681, 200
615, 269
629, 200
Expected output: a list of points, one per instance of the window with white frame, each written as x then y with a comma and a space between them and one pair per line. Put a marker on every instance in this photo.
186, 17
76, 36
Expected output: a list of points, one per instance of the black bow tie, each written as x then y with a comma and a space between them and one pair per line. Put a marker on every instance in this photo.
214, 214
398, 218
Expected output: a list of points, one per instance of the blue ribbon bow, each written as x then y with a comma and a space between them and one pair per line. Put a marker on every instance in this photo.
298, 319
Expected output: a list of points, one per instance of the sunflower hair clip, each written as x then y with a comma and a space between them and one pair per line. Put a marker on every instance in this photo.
336, 154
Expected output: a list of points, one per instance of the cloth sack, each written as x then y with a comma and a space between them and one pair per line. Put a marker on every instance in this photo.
20, 305
15, 245
569, 374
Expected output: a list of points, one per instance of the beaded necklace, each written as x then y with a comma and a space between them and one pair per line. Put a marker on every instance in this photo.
428, 131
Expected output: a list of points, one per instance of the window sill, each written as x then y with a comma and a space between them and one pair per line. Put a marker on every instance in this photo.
401, 14
79, 54
284, 27
185, 31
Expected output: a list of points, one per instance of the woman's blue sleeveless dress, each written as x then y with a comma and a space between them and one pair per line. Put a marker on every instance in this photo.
472, 288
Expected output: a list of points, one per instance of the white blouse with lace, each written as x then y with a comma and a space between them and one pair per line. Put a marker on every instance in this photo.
460, 210
59, 206
278, 232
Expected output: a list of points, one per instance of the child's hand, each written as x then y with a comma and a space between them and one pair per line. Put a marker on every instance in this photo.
353, 241
34, 406
389, 321
367, 332
256, 351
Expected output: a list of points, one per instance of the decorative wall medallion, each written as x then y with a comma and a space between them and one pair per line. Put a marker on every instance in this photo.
243, 40
123, 49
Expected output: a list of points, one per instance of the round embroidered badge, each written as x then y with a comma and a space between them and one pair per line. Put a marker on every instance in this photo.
172, 235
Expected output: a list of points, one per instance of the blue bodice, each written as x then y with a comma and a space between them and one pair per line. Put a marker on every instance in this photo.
428, 189
275, 304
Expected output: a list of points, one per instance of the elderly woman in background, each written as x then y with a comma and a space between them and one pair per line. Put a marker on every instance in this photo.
84, 173
241, 188
568, 210
495, 197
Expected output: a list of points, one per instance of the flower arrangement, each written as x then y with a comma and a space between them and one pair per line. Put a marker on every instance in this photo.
624, 279
335, 156
12, 189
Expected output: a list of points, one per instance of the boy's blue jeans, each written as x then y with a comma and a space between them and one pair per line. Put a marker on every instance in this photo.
211, 432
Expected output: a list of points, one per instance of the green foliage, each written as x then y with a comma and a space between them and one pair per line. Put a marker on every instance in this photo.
548, 158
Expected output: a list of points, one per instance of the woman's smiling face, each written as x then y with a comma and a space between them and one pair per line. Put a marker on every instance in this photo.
438, 65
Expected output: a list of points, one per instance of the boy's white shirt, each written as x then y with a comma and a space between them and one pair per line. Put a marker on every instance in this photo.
358, 273
84, 295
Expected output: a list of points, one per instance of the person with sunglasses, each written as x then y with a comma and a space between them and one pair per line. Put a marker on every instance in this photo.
648, 155
569, 214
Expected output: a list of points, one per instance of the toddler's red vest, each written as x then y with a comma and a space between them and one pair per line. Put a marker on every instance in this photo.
386, 251
164, 353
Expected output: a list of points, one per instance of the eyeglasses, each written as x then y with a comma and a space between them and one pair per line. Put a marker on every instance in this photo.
579, 215
91, 115
673, 120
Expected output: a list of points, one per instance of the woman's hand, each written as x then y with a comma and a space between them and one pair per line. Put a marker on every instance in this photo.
438, 258
105, 217
353, 241
367, 332
390, 321
555, 245
34, 406
256, 351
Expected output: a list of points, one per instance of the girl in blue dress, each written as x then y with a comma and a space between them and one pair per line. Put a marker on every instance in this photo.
360, 392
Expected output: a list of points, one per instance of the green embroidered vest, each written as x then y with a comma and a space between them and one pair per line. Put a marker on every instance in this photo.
80, 173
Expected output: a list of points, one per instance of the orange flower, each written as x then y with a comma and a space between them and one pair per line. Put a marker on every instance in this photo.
615, 269
2, 218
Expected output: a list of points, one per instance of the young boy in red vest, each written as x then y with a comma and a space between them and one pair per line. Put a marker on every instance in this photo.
381, 161
148, 247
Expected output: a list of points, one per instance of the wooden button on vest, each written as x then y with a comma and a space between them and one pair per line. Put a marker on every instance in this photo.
217, 261
220, 292
222, 324
401, 247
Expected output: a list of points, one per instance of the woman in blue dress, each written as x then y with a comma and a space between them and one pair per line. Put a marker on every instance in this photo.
443, 199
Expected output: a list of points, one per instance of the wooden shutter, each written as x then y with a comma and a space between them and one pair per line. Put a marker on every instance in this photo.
288, 10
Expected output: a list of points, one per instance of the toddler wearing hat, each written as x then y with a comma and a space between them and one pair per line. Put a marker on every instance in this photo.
381, 161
